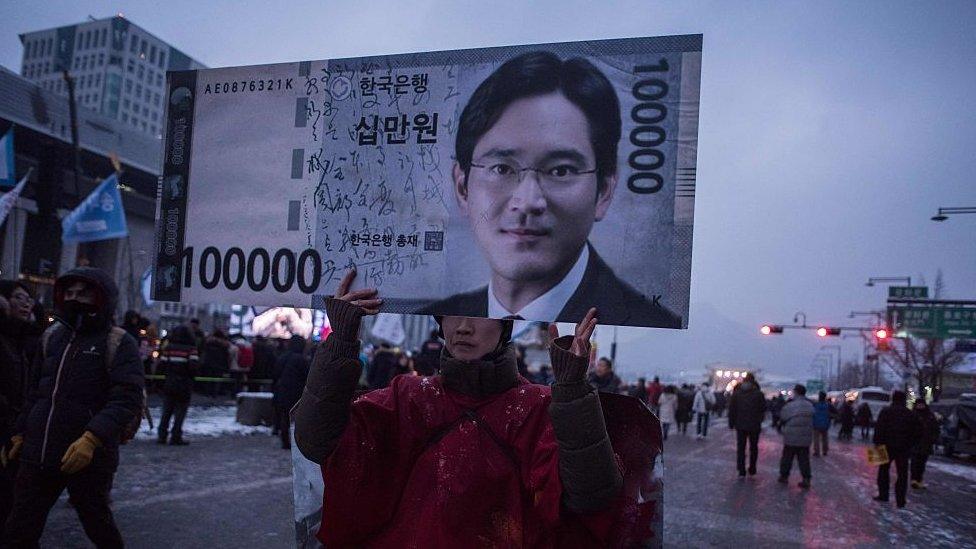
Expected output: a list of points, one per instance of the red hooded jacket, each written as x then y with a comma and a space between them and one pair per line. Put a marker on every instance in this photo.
412, 465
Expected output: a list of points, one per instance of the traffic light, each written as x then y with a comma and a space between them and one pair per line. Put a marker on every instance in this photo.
824, 331
881, 339
771, 329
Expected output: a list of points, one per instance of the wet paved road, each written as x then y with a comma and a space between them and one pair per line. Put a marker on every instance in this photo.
707, 505
230, 491
235, 491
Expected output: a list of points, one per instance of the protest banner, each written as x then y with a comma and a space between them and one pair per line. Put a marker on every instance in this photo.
524, 181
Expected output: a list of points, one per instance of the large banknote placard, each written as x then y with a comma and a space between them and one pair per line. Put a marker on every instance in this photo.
526, 181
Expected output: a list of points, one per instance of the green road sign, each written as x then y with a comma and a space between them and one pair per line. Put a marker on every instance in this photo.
908, 292
814, 386
942, 320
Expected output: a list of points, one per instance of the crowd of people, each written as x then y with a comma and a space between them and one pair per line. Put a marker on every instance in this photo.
908, 435
63, 432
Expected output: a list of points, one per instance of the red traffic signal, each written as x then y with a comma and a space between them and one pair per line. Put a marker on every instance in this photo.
771, 329
881, 333
824, 331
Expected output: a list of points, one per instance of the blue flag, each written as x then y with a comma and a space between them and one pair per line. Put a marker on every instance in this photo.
99, 217
7, 174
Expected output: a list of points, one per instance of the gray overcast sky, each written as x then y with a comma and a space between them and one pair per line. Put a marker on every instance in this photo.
829, 134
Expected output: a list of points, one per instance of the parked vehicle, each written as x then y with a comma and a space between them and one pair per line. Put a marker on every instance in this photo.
958, 435
875, 397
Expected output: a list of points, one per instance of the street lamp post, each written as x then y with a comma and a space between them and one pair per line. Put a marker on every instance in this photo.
838, 349
944, 213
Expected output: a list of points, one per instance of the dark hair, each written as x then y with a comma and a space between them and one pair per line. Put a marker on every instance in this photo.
539, 73
129, 317
7, 288
898, 396
607, 360
181, 335
800, 389
296, 344
669, 389
194, 321
657, 379
821, 396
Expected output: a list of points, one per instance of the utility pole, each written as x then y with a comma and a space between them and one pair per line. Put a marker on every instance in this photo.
73, 114
613, 346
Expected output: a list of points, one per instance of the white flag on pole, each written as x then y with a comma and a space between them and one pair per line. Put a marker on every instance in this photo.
8, 200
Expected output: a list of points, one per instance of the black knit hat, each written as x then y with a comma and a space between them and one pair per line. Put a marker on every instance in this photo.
505, 337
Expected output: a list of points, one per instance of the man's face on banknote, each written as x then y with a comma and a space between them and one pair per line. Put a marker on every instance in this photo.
532, 194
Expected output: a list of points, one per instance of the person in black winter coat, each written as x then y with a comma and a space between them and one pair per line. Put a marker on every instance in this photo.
293, 371
863, 419
430, 355
216, 360
928, 436
686, 397
18, 342
77, 407
179, 362
846, 416
747, 409
264, 359
382, 368
897, 428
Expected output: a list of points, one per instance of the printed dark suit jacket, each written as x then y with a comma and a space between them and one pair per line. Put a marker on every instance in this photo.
617, 302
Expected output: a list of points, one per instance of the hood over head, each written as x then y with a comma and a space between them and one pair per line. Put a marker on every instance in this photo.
106, 292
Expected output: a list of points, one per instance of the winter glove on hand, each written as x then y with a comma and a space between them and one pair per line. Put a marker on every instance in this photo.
570, 357
347, 308
6, 456
80, 453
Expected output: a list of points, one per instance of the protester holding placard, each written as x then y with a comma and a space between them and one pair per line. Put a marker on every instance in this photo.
898, 429
474, 456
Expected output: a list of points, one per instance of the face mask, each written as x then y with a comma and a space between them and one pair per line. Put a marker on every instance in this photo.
81, 316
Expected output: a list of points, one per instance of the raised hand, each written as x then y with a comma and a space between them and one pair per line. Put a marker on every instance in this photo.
366, 299
581, 339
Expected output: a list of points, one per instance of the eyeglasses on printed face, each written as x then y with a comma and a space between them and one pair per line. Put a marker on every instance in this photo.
507, 175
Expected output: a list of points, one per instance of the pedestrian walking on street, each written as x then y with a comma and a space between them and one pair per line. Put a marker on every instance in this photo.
686, 398
392, 455
898, 429
747, 409
19, 338
863, 420
775, 406
602, 377
928, 436
704, 401
846, 417
85, 394
796, 422
640, 392
179, 362
293, 371
667, 409
654, 391
822, 412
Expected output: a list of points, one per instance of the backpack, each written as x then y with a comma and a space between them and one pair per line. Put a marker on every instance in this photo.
113, 340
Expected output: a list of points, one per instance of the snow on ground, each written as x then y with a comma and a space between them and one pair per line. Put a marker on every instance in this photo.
958, 469
209, 421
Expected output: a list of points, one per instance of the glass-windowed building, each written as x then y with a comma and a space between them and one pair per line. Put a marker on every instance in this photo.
119, 68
